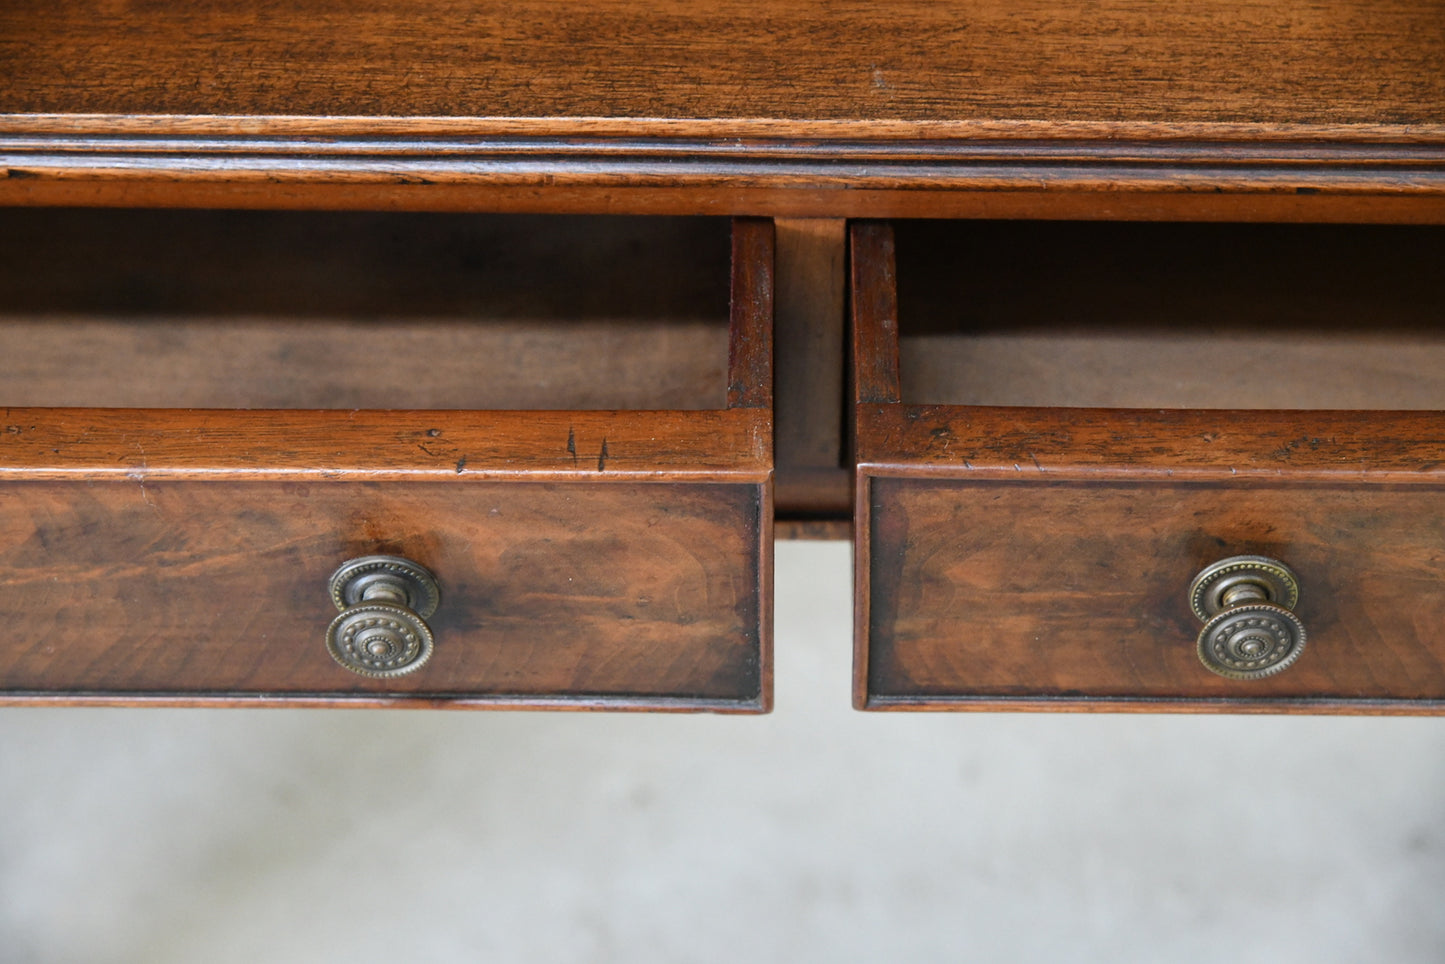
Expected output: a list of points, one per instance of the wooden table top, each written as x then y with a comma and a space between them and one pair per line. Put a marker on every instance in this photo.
829, 95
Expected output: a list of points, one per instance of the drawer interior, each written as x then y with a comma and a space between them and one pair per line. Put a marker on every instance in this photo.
337, 310
1144, 315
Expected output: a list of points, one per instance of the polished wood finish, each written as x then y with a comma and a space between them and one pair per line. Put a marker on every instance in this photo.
1128, 110
397, 363
1371, 369
639, 594
729, 193
236, 309
811, 480
593, 559
1041, 557
873, 271
1330, 64
365, 264
1400, 448
1247, 109
1131, 315
77, 444
1079, 592
750, 349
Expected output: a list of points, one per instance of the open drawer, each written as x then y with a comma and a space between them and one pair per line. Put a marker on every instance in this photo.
564, 423
1149, 466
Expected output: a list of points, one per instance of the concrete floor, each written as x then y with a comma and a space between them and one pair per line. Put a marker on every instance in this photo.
814, 834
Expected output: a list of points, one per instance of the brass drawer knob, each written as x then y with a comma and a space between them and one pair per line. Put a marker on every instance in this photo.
1250, 630
384, 602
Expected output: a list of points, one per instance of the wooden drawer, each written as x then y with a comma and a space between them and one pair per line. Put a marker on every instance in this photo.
567, 421
1034, 500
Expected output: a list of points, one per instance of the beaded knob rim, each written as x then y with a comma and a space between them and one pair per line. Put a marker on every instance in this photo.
350, 581
408, 640
1206, 592
1252, 641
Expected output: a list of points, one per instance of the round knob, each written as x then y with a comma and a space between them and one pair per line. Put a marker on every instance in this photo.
384, 601
1250, 630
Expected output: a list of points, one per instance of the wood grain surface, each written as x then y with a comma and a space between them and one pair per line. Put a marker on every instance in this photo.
611, 594
954, 289
557, 270
873, 302
80, 444
812, 480
1322, 62
588, 559
393, 363
750, 333
1119, 444
367, 264
972, 584
1366, 369
1078, 592
1171, 315
230, 309
1039, 557
1246, 109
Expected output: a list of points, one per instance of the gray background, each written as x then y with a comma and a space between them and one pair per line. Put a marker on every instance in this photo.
816, 833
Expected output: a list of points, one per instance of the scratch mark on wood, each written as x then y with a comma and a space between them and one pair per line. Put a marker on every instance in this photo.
139, 475
144, 496
602, 457
572, 445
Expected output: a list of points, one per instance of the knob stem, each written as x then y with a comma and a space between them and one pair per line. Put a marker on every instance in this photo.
1243, 594
386, 590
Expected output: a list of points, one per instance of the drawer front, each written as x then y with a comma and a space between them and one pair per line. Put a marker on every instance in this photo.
586, 557
1045, 555
616, 593
1079, 591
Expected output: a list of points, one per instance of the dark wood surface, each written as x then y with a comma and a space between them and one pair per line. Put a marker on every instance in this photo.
617, 593
812, 479
1079, 592
1401, 448
750, 343
1171, 315
873, 301
364, 264
1306, 109
395, 363
1039, 557
1250, 110
977, 529
80, 444
1372, 368
237, 309
1326, 63
589, 559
